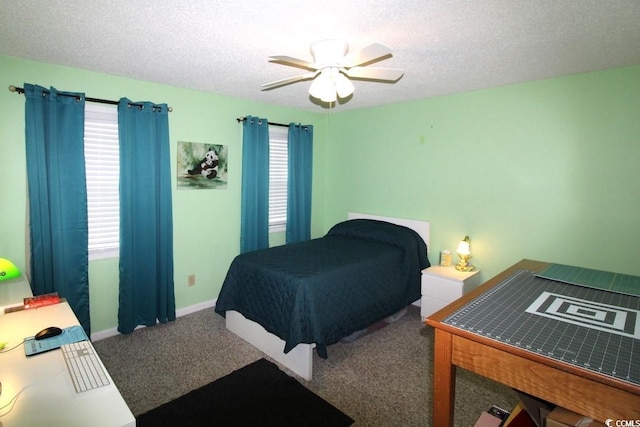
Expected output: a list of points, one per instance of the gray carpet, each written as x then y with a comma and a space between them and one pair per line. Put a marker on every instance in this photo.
382, 379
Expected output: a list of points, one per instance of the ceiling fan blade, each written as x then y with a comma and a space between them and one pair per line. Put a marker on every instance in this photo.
375, 51
289, 60
375, 73
288, 80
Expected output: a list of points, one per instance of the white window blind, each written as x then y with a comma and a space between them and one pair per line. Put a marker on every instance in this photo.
102, 161
278, 158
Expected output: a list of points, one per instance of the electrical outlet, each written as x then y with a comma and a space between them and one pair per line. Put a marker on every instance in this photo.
191, 280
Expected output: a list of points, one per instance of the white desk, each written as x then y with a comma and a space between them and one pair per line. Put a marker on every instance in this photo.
46, 396
13, 292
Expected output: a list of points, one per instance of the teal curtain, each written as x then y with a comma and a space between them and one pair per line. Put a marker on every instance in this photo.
58, 224
300, 167
254, 208
146, 227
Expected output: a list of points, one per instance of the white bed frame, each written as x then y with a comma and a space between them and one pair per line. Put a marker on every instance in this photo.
300, 358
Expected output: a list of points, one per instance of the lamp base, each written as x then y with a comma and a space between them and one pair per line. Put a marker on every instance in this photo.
463, 264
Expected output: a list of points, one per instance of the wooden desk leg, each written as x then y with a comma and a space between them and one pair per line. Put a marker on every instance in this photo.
444, 380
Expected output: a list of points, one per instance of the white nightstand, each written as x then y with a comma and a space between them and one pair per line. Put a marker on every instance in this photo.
443, 285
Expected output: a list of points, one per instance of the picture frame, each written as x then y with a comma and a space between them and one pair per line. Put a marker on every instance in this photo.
201, 166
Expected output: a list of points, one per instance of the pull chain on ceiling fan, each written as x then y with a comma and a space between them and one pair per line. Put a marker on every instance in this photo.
332, 67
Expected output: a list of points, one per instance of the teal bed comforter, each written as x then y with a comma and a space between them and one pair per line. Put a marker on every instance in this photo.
321, 290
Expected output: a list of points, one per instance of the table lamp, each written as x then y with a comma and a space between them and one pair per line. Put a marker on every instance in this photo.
8, 270
464, 252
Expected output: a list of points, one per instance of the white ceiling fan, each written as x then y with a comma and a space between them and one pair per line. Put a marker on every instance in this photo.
332, 67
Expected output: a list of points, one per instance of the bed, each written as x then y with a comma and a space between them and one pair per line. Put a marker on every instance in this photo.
288, 300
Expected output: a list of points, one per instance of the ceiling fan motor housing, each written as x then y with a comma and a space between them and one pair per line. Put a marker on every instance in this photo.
328, 53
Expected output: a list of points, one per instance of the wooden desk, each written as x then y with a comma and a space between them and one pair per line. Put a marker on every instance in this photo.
586, 392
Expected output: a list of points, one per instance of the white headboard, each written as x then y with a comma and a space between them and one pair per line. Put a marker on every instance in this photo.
423, 228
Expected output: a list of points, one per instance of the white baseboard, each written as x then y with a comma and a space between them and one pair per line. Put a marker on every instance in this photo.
97, 336
196, 307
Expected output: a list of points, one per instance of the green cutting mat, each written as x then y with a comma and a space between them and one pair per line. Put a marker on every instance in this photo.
614, 282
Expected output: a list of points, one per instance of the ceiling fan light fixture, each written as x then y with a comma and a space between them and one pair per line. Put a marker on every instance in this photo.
320, 86
344, 87
325, 86
329, 96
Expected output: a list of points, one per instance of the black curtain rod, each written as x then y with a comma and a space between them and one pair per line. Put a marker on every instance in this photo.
98, 100
242, 119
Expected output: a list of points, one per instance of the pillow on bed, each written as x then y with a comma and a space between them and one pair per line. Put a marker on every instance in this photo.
384, 232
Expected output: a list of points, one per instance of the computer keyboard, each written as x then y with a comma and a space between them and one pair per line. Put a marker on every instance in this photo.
84, 366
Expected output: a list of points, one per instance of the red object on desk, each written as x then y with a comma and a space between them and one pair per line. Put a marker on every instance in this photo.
41, 300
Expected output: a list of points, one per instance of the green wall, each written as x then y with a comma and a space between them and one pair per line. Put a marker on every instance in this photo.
206, 222
545, 170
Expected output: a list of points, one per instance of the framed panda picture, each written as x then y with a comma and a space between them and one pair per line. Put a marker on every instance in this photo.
201, 166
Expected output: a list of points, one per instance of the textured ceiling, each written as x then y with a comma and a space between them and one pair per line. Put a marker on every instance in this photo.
222, 46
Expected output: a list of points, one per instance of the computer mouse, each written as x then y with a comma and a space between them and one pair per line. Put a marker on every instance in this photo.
49, 332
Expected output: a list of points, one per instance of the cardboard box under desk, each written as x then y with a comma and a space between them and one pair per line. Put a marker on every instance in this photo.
561, 417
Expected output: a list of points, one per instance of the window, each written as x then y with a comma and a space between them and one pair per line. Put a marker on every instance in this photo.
278, 158
102, 161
